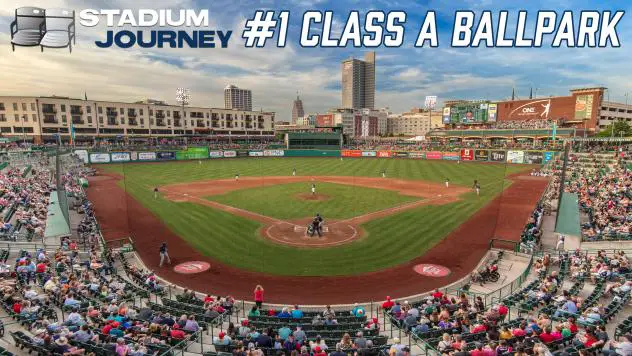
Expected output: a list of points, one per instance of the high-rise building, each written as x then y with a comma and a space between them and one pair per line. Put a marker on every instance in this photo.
239, 99
358, 82
297, 109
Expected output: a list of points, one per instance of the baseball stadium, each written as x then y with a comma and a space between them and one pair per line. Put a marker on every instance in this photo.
314, 243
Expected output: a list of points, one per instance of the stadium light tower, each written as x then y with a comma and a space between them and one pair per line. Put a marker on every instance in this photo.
183, 97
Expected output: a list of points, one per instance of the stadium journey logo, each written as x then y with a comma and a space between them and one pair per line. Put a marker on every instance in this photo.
55, 28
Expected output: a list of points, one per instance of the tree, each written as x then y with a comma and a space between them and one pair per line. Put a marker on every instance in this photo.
618, 126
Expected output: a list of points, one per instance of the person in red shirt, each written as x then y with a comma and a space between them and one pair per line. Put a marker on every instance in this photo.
17, 307
479, 329
520, 331
502, 310
177, 334
572, 326
259, 295
590, 339
319, 352
388, 304
208, 299
106, 329
546, 336
437, 294
40, 268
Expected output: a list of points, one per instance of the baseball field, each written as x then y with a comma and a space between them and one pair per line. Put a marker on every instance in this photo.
257, 223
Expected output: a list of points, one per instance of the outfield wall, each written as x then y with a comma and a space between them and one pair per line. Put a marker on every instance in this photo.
198, 153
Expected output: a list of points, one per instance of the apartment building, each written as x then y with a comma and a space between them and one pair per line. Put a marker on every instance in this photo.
239, 99
612, 112
416, 122
360, 123
358, 82
41, 119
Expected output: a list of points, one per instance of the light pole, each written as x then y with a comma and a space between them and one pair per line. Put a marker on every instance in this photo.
183, 96
535, 95
24, 118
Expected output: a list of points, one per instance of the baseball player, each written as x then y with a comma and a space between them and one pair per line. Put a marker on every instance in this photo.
384, 173
478, 189
293, 172
156, 193
313, 189
164, 254
447, 183
237, 176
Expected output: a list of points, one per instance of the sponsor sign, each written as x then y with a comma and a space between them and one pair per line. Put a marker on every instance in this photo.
400, 154
165, 156
492, 109
433, 155
451, 156
467, 154
383, 154
583, 107
497, 156
368, 154
351, 153
99, 158
192, 267
418, 155
430, 102
255, 153
533, 157
193, 153
446, 115
134, 155
431, 270
326, 120
242, 153
83, 154
120, 157
146, 156
215, 154
274, 153
230, 154
536, 109
515, 156
547, 156
481, 155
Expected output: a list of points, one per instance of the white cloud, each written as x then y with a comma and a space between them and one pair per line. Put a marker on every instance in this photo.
411, 74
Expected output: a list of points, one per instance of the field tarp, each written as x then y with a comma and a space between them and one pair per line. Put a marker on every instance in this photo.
568, 218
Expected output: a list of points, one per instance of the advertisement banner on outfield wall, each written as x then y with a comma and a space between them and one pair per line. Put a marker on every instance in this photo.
515, 156
467, 154
481, 155
230, 154
99, 158
120, 157
351, 153
497, 156
215, 154
416, 155
433, 155
242, 153
255, 153
547, 156
83, 154
133, 156
146, 156
383, 154
533, 157
192, 153
274, 153
369, 154
451, 156
165, 156
400, 154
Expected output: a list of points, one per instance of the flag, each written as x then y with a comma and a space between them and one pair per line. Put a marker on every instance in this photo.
72, 133
513, 94
531, 94
85, 95
554, 131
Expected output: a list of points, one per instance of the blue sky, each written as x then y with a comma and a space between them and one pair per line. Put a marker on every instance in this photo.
405, 75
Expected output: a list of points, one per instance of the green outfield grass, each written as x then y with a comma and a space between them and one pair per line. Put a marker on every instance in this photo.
388, 241
344, 201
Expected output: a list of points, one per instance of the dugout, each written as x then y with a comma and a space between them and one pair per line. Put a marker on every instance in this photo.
314, 140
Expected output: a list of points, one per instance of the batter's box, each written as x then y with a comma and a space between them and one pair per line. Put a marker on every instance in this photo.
304, 229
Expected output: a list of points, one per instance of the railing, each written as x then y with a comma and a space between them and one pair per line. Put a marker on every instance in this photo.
125, 242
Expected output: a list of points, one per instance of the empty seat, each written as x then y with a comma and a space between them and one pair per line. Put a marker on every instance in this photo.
60, 29
28, 27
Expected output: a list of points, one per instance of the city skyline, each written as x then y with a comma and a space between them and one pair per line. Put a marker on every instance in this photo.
405, 75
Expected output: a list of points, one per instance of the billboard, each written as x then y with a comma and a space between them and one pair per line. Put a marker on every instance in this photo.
192, 153
492, 109
230, 154
255, 153
369, 154
467, 154
583, 107
481, 155
120, 157
274, 153
134, 155
468, 113
400, 154
418, 155
165, 156
497, 156
146, 156
515, 156
351, 153
83, 155
326, 120
451, 156
215, 154
446, 115
430, 102
532, 110
533, 157
99, 158
383, 154
547, 156
433, 155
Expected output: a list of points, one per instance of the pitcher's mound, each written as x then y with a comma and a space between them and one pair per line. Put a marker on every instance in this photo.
314, 197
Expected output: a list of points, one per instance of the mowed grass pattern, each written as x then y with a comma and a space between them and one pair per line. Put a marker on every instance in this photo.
388, 241
282, 201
